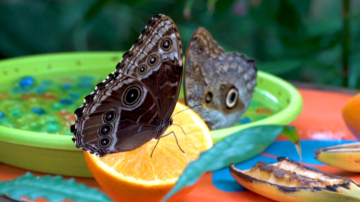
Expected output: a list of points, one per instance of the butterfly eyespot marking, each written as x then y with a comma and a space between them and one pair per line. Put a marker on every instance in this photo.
104, 142
166, 44
109, 116
231, 98
153, 60
132, 95
142, 69
208, 97
200, 50
105, 129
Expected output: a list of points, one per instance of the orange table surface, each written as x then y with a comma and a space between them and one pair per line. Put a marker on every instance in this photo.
319, 120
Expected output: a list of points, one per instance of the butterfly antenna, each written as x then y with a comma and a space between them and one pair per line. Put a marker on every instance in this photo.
180, 127
185, 109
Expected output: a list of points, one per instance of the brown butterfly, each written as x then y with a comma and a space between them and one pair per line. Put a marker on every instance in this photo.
134, 103
222, 84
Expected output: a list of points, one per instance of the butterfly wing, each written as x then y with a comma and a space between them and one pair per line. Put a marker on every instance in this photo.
150, 74
222, 83
120, 115
156, 60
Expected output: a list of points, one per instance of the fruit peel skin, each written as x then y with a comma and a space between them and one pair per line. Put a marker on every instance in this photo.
351, 116
345, 156
132, 176
344, 189
152, 193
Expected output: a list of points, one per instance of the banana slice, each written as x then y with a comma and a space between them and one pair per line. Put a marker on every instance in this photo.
345, 156
288, 180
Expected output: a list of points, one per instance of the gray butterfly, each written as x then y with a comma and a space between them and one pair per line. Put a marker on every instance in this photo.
221, 83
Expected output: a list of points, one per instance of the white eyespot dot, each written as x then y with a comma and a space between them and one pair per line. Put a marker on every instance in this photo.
231, 98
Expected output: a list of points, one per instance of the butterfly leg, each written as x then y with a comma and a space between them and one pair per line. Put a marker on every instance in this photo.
172, 132
154, 148
180, 127
162, 136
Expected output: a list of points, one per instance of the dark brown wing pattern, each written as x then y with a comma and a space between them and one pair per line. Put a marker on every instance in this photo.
134, 103
159, 51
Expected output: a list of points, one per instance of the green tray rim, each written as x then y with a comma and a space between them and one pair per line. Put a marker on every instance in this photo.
62, 142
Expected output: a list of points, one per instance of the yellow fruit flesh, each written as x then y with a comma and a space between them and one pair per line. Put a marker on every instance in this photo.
345, 156
290, 181
291, 175
166, 163
134, 175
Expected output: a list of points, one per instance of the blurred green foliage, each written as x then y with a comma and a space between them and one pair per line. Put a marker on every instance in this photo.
313, 41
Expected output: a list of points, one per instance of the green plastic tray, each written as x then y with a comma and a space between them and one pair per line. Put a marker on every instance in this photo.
57, 154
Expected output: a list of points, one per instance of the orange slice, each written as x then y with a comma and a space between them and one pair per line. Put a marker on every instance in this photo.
351, 115
135, 176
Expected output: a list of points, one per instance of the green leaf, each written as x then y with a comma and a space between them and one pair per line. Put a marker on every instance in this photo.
236, 148
288, 18
50, 188
291, 133
95, 8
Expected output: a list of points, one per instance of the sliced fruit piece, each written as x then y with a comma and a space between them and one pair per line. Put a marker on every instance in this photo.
351, 115
345, 156
135, 176
288, 180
